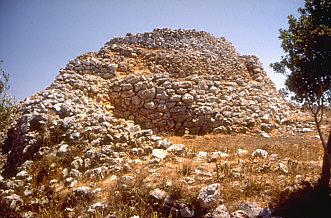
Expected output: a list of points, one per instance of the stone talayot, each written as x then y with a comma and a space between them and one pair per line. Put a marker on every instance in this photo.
104, 105
181, 79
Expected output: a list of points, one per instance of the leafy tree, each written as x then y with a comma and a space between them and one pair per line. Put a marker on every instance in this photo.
6, 102
307, 66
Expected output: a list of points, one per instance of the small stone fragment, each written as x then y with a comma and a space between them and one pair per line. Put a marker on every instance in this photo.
209, 195
159, 153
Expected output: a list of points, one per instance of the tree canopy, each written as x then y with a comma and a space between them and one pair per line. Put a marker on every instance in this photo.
307, 67
307, 60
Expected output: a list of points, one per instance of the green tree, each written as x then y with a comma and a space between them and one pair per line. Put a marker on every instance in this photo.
6, 102
306, 65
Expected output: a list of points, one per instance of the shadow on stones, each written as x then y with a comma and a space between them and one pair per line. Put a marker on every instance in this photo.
7, 212
305, 202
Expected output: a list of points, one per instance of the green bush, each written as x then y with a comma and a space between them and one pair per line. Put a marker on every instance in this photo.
6, 102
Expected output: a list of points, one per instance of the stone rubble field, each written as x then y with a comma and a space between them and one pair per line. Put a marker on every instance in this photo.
100, 141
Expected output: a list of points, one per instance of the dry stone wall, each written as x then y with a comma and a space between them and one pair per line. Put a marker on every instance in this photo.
184, 81
100, 116
179, 81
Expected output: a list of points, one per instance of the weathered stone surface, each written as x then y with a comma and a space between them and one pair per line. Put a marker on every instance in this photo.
159, 153
176, 148
252, 210
239, 214
221, 212
104, 109
241, 152
158, 194
186, 212
63, 149
260, 153
13, 201
209, 196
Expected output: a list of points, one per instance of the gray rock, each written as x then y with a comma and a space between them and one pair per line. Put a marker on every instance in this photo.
306, 129
253, 211
29, 214
127, 180
22, 175
176, 148
264, 134
126, 87
186, 212
135, 100
189, 180
69, 212
241, 152
239, 214
70, 182
159, 153
77, 163
27, 164
13, 184
126, 168
52, 182
63, 109
97, 207
147, 93
82, 191
265, 118
13, 201
163, 95
163, 143
221, 212
260, 153
266, 127
149, 105
282, 167
74, 137
209, 196
63, 149
187, 98
202, 154
97, 173
75, 173
108, 75
220, 154
158, 194
266, 213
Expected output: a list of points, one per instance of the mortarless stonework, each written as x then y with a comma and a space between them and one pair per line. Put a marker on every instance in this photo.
99, 117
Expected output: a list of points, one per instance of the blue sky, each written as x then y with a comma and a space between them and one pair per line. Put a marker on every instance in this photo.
38, 37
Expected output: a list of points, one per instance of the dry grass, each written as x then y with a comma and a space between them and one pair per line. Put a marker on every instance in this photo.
243, 179
247, 179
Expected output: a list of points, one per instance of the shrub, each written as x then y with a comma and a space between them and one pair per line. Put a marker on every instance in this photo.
6, 103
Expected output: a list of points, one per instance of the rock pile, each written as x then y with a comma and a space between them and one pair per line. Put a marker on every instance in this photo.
99, 116
175, 80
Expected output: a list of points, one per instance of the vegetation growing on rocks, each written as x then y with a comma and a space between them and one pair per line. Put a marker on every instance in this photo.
6, 103
171, 123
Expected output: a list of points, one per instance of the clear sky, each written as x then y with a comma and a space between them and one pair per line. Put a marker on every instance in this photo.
38, 37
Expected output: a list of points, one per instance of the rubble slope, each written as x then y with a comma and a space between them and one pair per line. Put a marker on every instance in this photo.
105, 106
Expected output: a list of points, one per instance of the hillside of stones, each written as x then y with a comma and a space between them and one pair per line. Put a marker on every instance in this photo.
105, 106
167, 81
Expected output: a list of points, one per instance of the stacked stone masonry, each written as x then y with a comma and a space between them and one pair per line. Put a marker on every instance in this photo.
99, 117
177, 80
